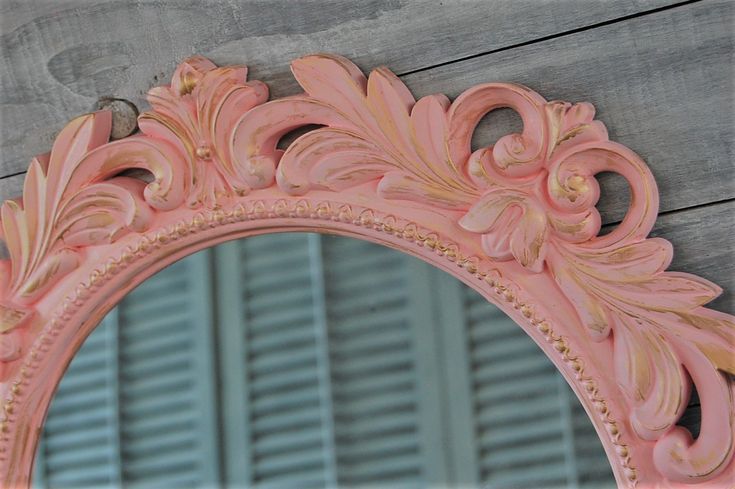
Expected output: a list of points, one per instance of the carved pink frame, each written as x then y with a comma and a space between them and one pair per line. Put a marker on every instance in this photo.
516, 221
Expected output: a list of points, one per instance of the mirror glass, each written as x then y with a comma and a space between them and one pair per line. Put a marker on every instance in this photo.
302, 360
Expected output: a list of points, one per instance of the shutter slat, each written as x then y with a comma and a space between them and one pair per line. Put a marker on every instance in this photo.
381, 402
266, 303
81, 381
294, 419
520, 388
164, 363
82, 457
307, 437
65, 442
155, 324
386, 467
379, 447
283, 339
289, 462
158, 406
307, 478
163, 440
95, 475
283, 361
527, 433
397, 338
277, 320
162, 423
88, 418
70, 404
278, 401
282, 380
548, 476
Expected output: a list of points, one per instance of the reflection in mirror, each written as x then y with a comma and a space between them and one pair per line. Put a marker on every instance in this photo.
300, 360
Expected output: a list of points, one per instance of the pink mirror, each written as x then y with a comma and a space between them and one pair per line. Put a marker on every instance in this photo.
516, 222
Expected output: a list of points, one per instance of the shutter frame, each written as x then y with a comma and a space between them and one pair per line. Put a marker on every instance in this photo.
233, 364
452, 336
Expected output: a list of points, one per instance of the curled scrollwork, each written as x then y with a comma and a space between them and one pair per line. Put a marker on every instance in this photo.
211, 140
531, 198
74, 197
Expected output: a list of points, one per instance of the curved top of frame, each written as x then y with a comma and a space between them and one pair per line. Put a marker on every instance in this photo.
519, 219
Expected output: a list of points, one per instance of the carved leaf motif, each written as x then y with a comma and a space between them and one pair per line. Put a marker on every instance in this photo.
649, 373
71, 200
379, 131
656, 319
331, 158
527, 235
210, 139
569, 122
531, 197
190, 114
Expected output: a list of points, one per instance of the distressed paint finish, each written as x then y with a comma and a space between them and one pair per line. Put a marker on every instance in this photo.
516, 221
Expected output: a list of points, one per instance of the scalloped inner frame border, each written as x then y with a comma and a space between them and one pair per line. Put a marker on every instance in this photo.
501, 291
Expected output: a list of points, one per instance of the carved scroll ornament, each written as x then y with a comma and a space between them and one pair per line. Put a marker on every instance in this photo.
517, 221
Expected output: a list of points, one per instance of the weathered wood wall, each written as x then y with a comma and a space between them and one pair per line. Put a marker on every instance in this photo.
660, 73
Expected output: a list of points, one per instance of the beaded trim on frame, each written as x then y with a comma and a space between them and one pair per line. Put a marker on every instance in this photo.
629, 337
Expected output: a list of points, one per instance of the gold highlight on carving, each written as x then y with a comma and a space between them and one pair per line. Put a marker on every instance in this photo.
399, 171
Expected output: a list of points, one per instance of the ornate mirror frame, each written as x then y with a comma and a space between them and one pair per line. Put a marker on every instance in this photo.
517, 222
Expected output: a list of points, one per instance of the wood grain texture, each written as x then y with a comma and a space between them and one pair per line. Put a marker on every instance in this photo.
11, 187
58, 58
662, 84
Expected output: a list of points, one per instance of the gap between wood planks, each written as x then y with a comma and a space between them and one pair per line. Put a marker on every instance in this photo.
553, 36
674, 211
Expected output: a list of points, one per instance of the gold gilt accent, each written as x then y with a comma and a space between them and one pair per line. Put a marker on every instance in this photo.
13, 316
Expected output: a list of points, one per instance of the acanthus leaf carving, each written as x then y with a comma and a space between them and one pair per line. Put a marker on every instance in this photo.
372, 132
73, 198
190, 114
531, 197
211, 139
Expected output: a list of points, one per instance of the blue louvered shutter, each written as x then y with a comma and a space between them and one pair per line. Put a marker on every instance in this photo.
374, 316
319, 340
277, 399
79, 446
528, 428
339, 362
136, 406
166, 388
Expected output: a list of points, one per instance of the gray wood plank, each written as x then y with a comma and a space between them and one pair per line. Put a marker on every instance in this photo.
11, 187
58, 58
692, 419
662, 83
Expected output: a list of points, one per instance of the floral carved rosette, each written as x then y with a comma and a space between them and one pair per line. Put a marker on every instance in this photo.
211, 139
